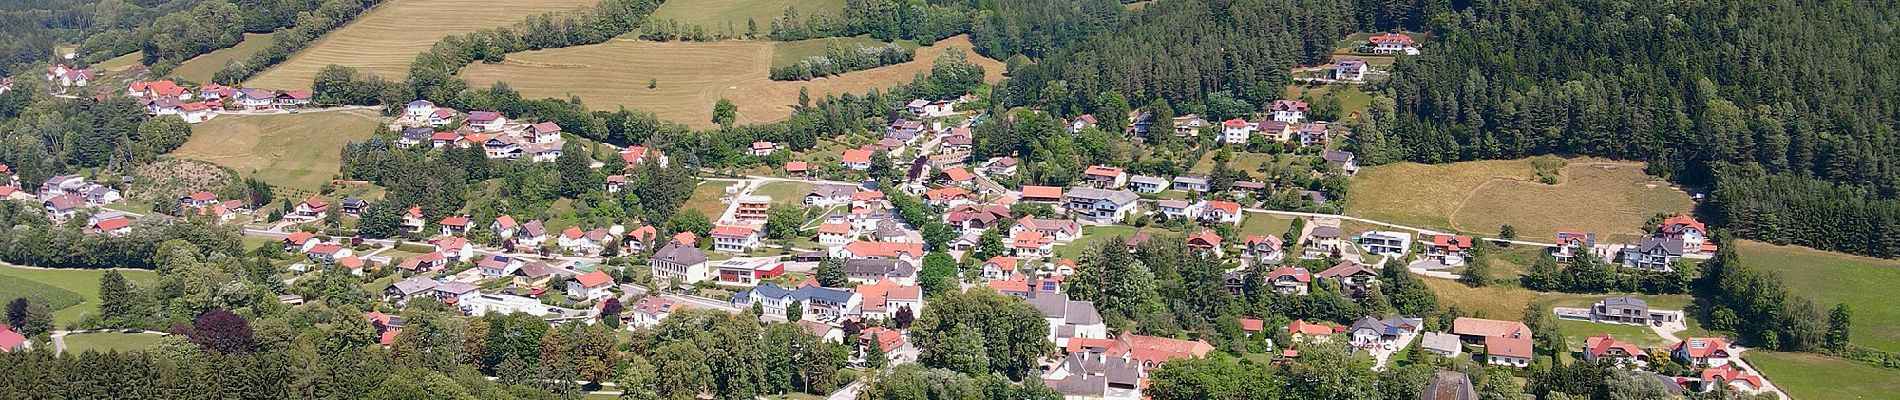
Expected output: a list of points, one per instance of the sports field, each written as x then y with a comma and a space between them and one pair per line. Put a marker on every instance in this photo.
385, 40
1814, 376
717, 15
298, 151
1611, 198
73, 293
1864, 283
109, 341
689, 77
201, 68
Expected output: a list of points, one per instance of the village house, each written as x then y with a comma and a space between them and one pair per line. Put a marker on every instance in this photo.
1321, 242
836, 234
677, 262
457, 225
1510, 352
1180, 209
1262, 249
1222, 212
1314, 134
1289, 111
422, 263
310, 209
973, 218
762, 149
486, 121
418, 110
441, 117
498, 266
999, 267
590, 286
1206, 242
1000, 166
856, 159
413, 287
1236, 131
946, 197
455, 248
1506, 343
751, 208
1068, 318
1147, 184
1290, 280
1448, 249
1191, 184
1355, 278
256, 99
1392, 43
1275, 131
1387, 243
1189, 125
1571, 244
291, 99
1654, 253
735, 239
1041, 194
1105, 177
747, 271
1302, 332
328, 253
114, 226
885, 299
1350, 69
1691, 233
1100, 205
1096, 376
1061, 230
1629, 310
1731, 377
1391, 331
890, 342
1150, 351
1442, 344
66, 77
815, 302
911, 252
639, 240
872, 270
1083, 122
904, 130
929, 108
1603, 347
1030, 244
1341, 159
532, 235
1709, 352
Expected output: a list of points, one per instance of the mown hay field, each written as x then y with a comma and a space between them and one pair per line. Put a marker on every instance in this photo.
385, 40
299, 151
202, 68
689, 78
1863, 283
1611, 198
718, 15
60, 286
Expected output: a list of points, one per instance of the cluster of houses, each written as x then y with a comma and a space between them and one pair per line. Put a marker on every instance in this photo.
166, 97
1285, 122
63, 77
426, 125
65, 196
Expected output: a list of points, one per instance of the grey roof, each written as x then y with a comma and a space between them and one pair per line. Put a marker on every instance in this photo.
533, 229
1448, 385
1120, 197
455, 287
417, 132
1625, 301
823, 293
1058, 305
1338, 156
1441, 341
1325, 231
1151, 180
1192, 180
537, 269
1671, 246
684, 255
420, 103
413, 285
1092, 376
352, 202
1171, 203
879, 267
1388, 326
829, 191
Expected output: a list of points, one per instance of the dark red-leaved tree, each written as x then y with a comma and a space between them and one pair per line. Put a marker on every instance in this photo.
222, 331
904, 317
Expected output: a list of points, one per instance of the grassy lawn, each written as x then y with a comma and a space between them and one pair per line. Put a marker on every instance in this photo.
1576, 331
386, 39
784, 192
120, 63
707, 199
1243, 161
61, 282
201, 68
715, 15
1091, 236
1832, 278
1814, 376
689, 78
1265, 225
1480, 196
108, 341
1352, 101
788, 53
298, 151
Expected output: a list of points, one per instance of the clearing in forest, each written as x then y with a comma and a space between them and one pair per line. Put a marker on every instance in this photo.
687, 78
386, 39
1611, 198
202, 68
299, 151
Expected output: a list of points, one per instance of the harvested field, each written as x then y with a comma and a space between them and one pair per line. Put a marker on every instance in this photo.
298, 151
1613, 199
718, 15
201, 68
690, 77
385, 40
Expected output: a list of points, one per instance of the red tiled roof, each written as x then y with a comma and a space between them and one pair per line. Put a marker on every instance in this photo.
1225, 206
857, 156
9, 339
731, 230
505, 221
1043, 192
1298, 274
455, 221
594, 279
1728, 373
1346, 268
1508, 347
1252, 324
1206, 238
1103, 171
1701, 347
1467, 326
1301, 326
572, 232
1676, 223
299, 237
1598, 345
113, 223
941, 194
796, 166
1003, 263
1452, 242
835, 229
1396, 38
958, 174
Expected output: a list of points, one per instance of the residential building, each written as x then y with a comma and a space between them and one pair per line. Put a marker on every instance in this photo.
1191, 184
999, 267
1691, 233
1606, 348
1041, 194
1236, 131
486, 121
1068, 318
1442, 344
825, 195
1629, 310
681, 263
1355, 278
751, 208
872, 270
1448, 385
1030, 244
856, 159
1180, 209
818, 303
1654, 254
1571, 244
1731, 377
1289, 111
1147, 184
1094, 376
1386, 243
413, 287
1101, 205
1449, 249
1061, 230
484, 304
1391, 331
1392, 43
1150, 351
1105, 177
1350, 69
885, 299
1205, 242
1344, 160
1710, 352
1189, 125
1290, 280
1221, 212
1474, 330
1300, 331
647, 312
1322, 241
590, 286
1510, 352
1263, 249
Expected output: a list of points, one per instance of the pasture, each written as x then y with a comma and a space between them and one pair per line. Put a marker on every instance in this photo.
688, 78
65, 284
201, 68
1834, 278
784, 192
1815, 376
109, 341
709, 199
298, 151
385, 40
120, 63
1613, 199
788, 53
718, 15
